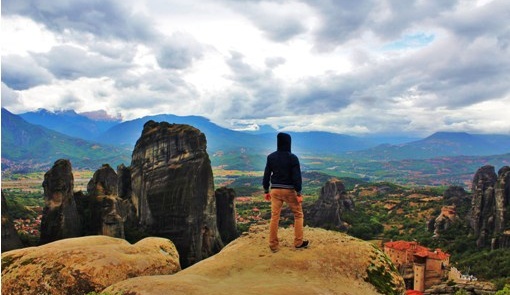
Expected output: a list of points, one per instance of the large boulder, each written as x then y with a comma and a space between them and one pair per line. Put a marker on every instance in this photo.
335, 263
327, 210
60, 218
226, 214
83, 265
173, 189
10, 237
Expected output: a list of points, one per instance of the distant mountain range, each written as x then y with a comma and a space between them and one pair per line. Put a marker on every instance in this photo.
37, 139
27, 147
70, 123
440, 144
218, 138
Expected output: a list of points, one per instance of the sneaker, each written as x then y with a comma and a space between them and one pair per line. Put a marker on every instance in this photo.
303, 245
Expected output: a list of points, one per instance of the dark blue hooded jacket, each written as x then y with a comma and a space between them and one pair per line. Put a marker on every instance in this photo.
282, 167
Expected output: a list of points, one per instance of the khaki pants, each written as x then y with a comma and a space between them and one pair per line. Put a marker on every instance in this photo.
278, 197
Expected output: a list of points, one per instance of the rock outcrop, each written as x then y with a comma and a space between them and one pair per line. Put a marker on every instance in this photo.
458, 202
60, 218
84, 265
327, 211
445, 219
108, 212
226, 214
502, 200
471, 288
173, 189
457, 196
103, 182
99, 212
10, 238
335, 263
489, 218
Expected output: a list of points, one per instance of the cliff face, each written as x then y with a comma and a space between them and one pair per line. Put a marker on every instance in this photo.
489, 219
173, 189
327, 211
60, 217
226, 214
502, 200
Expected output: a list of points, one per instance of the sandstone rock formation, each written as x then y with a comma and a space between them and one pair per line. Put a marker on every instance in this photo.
458, 202
10, 238
502, 200
173, 189
83, 265
335, 263
103, 182
327, 211
457, 196
60, 217
470, 288
226, 214
445, 219
489, 218
108, 212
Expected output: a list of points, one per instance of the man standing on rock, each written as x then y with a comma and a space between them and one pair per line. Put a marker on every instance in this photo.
283, 175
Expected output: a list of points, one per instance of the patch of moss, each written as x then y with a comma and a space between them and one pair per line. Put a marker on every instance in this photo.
27, 261
7, 261
384, 258
379, 276
381, 280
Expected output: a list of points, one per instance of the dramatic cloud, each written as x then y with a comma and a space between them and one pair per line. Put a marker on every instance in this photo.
102, 18
9, 97
19, 72
178, 52
70, 62
356, 67
280, 21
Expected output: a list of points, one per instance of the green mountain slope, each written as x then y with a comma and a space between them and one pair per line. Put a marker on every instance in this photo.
27, 147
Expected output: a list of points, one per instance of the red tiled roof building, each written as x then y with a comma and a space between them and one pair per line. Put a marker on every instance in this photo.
419, 266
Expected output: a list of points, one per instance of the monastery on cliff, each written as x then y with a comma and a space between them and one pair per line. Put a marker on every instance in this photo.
420, 266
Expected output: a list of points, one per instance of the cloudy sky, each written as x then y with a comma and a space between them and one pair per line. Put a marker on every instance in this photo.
354, 67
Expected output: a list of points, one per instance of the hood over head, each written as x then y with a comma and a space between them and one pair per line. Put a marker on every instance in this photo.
283, 142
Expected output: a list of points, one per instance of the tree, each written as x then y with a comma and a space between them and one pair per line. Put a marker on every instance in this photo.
504, 291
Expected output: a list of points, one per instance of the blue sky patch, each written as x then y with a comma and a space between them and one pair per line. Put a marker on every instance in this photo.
410, 41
